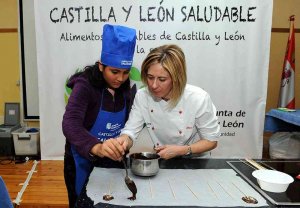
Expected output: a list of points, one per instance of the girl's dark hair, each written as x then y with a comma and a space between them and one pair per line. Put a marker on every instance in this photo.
95, 77
97, 80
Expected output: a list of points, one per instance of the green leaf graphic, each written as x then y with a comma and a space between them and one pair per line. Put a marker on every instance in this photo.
135, 74
66, 98
68, 90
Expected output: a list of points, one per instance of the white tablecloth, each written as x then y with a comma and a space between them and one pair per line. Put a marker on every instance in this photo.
170, 187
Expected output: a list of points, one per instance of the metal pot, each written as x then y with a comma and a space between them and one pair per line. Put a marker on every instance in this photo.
144, 163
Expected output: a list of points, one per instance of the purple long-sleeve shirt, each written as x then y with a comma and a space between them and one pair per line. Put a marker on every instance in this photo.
82, 110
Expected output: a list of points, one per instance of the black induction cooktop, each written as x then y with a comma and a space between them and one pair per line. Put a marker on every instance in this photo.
291, 197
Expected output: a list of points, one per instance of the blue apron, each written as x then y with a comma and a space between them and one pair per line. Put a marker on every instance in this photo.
107, 125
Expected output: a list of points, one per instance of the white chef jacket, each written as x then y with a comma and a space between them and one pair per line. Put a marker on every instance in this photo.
193, 118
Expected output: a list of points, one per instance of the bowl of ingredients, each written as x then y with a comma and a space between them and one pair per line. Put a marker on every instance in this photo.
272, 180
144, 163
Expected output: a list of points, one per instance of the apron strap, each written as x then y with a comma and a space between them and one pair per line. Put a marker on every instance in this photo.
83, 170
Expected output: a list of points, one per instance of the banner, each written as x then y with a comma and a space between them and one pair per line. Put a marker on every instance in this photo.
287, 87
226, 43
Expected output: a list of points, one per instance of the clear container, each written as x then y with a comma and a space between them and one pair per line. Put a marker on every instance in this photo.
26, 141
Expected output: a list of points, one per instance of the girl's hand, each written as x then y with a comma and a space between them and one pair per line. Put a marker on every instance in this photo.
110, 148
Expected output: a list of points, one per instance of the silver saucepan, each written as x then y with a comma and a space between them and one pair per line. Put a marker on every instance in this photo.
144, 163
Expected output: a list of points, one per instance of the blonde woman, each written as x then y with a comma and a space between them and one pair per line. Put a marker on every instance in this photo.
180, 118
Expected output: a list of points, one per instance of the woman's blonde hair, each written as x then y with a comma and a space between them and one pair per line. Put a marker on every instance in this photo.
172, 59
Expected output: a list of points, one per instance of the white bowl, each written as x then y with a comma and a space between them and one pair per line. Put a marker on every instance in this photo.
272, 180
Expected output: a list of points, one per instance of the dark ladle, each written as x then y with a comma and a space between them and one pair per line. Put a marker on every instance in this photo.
130, 183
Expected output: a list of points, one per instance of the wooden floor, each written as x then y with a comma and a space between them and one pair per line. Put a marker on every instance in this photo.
46, 187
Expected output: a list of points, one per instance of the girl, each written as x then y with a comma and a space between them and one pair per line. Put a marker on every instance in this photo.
97, 110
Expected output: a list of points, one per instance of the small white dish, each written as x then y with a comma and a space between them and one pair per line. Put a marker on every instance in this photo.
272, 180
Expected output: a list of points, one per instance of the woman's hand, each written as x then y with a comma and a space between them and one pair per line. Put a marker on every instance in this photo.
170, 151
125, 141
110, 148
